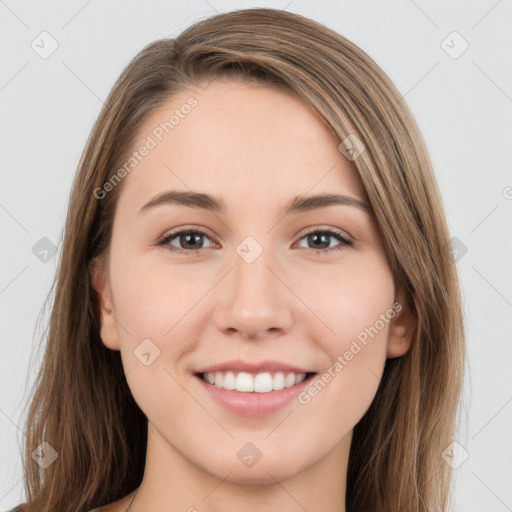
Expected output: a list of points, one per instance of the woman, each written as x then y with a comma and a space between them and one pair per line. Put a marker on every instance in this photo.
258, 366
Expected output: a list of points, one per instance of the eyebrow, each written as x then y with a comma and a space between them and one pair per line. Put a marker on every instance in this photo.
297, 204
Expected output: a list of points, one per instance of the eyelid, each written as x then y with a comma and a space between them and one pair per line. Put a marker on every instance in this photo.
169, 235
314, 228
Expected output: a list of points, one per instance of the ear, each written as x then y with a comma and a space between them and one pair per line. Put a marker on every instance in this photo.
108, 326
401, 328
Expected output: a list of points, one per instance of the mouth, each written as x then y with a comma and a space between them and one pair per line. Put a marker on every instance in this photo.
253, 394
253, 388
246, 382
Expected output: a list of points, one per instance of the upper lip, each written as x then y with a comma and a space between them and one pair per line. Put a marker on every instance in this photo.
238, 365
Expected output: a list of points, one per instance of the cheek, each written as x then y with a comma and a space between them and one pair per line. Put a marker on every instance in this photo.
157, 309
348, 298
152, 305
153, 300
359, 313
355, 303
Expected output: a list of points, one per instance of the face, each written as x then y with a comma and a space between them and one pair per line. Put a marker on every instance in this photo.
187, 286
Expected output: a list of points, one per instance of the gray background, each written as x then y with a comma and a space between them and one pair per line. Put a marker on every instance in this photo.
462, 105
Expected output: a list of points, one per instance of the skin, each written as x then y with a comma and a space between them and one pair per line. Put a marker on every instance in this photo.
256, 148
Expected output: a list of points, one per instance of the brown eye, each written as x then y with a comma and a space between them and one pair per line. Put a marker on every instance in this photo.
319, 240
191, 240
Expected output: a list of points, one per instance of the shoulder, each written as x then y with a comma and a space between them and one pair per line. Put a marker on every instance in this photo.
116, 506
113, 507
102, 509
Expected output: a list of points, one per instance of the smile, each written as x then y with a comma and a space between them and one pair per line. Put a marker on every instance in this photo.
245, 382
254, 395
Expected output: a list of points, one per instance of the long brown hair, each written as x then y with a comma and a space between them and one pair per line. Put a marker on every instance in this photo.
82, 405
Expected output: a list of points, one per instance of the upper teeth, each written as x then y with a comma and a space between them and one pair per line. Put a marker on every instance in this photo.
259, 383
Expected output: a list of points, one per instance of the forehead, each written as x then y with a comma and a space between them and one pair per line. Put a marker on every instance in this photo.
238, 139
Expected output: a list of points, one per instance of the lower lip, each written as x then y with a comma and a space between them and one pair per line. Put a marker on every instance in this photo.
253, 404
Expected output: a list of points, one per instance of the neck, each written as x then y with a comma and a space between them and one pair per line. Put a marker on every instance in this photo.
170, 478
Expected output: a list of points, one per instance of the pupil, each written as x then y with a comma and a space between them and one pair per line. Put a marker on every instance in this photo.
315, 237
197, 236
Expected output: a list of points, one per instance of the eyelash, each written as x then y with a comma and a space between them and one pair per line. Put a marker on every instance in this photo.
164, 241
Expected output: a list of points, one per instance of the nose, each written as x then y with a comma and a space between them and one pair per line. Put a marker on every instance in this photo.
253, 300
